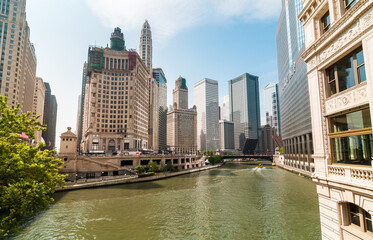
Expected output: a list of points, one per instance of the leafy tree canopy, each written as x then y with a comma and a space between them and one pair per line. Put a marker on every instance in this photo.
28, 176
139, 169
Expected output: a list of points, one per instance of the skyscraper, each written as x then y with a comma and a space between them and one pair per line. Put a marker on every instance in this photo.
181, 121
244, 108
295, 115
38, 104
18, 59
146, 48
161, 80
224, 109
271, 106
116, 104
145, 51
206, 98
50, 117
79, 124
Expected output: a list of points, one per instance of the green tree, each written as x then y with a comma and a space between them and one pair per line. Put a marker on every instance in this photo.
153, 167
28, 175
139, 169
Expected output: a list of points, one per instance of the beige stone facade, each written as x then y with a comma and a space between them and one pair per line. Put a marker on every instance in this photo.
68, 142
181, 121
38, 103
116, 111
18, 60
339, 56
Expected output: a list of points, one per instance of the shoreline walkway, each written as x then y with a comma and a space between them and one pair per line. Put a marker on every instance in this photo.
81, 184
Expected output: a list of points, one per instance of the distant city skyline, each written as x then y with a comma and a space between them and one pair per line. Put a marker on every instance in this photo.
203, 49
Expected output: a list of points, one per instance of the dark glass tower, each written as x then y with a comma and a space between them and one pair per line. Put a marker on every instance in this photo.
244, 108
50, 118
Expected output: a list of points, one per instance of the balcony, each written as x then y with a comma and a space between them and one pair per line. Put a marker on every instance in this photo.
351, 174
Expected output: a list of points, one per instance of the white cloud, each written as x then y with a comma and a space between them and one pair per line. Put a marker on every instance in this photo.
168, 17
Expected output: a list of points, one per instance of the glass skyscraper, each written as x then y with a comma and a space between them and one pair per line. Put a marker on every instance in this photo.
296, 129
206, 99
244, 108
159, 76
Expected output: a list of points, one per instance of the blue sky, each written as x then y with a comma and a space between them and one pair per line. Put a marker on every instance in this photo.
217, 39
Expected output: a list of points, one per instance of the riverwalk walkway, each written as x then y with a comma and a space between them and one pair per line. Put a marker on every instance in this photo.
94, 183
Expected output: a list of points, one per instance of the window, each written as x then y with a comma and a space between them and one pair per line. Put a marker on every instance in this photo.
349, 3
351, 138
325, 22
346, 73
357, 217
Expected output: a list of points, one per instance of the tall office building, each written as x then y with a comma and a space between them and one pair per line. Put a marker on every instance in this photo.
226, 129
206, 98
181, 121
18, 59
49, 118
79, 125
271, 106
295, 115
145, 51
244, 108
146, 48
161, 80
224, 109
38, 104
339, 56
116, 104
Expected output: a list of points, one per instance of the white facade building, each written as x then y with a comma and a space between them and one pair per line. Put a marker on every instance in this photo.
339, 57
224, 109
206, 98
271, 108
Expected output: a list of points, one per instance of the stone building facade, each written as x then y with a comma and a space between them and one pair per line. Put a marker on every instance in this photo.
116, 111
181, 121
18, 59
339, 56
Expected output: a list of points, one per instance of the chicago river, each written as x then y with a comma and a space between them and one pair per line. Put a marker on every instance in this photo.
236, 201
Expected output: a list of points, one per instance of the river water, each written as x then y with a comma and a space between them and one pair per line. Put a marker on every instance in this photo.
237, 201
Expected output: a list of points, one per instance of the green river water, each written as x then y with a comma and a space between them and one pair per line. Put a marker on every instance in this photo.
236, 201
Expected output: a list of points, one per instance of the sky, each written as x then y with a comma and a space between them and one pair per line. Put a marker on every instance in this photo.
216, 39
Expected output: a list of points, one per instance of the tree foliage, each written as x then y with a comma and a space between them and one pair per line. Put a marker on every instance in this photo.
139, 169
213, 160
153, 167
208, 152
28, 176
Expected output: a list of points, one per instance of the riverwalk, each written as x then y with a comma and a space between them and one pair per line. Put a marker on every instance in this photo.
130, 179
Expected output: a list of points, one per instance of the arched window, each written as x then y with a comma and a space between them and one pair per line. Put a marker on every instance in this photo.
357, 217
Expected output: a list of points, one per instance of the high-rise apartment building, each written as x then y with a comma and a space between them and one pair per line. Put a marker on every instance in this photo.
49, 117
181, 121
295, 115
244, 108
271, 106
161, 80
79, 125
18, 59
38, 104
206, 99
116, 104
339, 56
